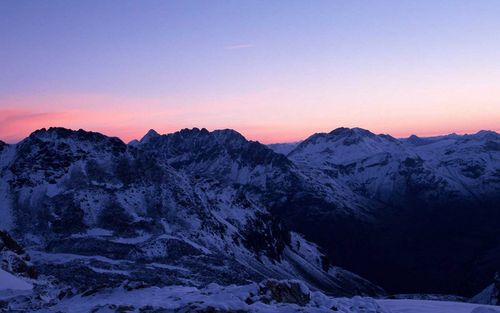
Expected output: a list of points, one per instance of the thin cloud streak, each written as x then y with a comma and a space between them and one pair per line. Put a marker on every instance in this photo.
238, 47
15, 124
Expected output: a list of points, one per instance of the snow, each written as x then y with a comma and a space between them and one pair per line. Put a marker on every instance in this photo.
11, 282
169, 267
485, 296
106, 271
214, 296
372, 163
190, 242
426, 306
99, 232
283, 148
484, 310
309, 251
134, 240
207, 214
60, 258
149, 135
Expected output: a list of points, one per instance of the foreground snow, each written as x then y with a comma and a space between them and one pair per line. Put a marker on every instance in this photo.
271, 296
278, 296
11, 282
426, 306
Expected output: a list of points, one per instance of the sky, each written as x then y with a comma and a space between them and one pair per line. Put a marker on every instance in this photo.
276, 71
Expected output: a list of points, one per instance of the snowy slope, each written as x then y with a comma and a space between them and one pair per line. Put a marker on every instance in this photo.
423, 196
257, 298
11, 282
283, 148
197, 207
388, 169
190, 208
424, 306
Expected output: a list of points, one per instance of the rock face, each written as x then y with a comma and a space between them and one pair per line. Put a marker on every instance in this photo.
190, 208
14, 259
272, 290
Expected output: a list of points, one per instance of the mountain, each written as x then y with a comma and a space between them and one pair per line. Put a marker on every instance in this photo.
435, 222
283, 148
86, 215
393, 171
189, 208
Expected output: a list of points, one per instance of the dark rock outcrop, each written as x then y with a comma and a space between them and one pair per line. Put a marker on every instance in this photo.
13, 258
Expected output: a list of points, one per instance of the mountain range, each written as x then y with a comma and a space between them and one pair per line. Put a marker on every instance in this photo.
81, 212
434, 224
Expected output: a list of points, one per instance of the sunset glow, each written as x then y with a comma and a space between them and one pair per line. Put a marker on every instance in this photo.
122, 68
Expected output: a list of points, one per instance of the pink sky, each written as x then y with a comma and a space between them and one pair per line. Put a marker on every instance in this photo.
271, 115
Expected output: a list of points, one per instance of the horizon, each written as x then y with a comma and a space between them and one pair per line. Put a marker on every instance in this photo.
275, 70
139, 138
250, 156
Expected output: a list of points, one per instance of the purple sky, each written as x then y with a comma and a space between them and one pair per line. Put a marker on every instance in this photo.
273, 70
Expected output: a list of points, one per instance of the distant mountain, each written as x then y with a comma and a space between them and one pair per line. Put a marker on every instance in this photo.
436, 196
283, 148
391, 170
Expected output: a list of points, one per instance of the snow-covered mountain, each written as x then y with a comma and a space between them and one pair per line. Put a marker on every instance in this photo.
189, 208
86, 215
392, 170
283, 148
434, 196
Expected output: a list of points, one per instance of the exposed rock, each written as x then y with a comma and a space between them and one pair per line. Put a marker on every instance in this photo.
281, 292
13, 258
133, 285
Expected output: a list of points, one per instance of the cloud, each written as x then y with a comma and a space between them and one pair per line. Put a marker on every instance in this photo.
17, 123
238, 47
130, 118
13, 116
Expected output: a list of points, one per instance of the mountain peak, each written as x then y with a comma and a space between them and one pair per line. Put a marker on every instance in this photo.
195, 131
219, 135
486, 134
53, 133
149, 135
344, 131
228, 134
417, 141
350, 136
